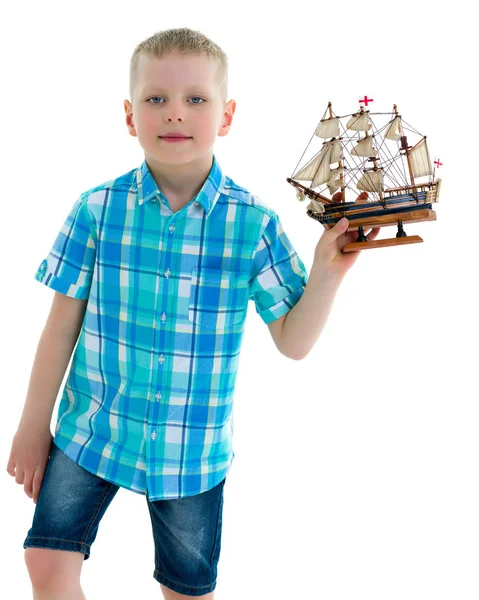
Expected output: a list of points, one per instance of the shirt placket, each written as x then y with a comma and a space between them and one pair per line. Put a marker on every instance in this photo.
166, 254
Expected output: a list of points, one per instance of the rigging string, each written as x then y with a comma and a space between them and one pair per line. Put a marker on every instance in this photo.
346, 184
350, 141
387, 164
398, 183
420, 134
412, 130
314, 132
362, 164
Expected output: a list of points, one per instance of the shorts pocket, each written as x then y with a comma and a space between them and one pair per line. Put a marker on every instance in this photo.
218, 298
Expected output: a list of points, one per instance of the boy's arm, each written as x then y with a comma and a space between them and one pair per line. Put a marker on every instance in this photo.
66, 314
296, 332
53, 355
302, 325
276, 330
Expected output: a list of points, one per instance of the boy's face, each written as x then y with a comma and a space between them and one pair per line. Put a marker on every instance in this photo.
180, 94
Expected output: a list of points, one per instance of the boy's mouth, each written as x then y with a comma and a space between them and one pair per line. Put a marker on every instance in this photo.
174, 139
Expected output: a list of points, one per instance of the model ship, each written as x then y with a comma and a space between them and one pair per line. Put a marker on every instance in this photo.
396, 179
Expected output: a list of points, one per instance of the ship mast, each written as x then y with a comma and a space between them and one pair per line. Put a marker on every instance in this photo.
372, 158
340, 161
404, 146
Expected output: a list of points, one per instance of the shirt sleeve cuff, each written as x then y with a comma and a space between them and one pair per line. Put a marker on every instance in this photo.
43, 275
282, 307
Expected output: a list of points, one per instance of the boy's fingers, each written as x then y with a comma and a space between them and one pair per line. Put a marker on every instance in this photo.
371, 235
19, 475
28, 483
37, 484
339, 228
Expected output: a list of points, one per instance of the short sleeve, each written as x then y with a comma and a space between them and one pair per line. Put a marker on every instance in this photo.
68, 268
279, 276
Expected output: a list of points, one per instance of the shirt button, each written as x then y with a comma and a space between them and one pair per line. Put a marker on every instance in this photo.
171, 228
161, 359
163, 317
158, 396
167, 273
153, 199
153, 436
196, 203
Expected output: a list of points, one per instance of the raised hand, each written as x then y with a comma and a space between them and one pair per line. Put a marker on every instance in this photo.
328, 253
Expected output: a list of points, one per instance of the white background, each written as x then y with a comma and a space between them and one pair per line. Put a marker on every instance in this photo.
355, 473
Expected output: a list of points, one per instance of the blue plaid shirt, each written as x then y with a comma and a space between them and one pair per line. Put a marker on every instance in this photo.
147, 404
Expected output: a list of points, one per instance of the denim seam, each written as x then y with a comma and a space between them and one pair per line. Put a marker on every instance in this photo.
153, 528
96, 513
191, 587
42, 537
217, 522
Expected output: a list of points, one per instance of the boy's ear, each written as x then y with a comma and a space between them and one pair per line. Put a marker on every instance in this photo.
129, 118
227, 117
231, 107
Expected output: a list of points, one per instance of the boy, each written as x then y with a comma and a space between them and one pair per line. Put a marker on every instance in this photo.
152, 273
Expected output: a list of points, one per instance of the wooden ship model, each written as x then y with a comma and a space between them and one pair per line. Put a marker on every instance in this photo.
375, 158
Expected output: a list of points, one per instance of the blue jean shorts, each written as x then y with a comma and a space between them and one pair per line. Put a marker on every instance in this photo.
186, 531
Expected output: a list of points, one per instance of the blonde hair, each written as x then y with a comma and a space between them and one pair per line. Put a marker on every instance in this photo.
185, 41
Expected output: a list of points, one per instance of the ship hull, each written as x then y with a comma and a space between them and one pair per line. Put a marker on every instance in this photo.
409, 204
405, 207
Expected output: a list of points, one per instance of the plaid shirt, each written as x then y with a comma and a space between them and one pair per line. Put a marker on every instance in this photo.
147, 404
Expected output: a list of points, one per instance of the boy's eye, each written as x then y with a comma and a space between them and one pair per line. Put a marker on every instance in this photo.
193, 97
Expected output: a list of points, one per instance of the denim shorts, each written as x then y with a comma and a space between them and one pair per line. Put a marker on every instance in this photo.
186, 531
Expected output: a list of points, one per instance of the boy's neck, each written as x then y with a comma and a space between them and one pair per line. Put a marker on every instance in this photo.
180, 183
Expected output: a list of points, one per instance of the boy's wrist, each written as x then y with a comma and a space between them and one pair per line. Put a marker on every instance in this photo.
33, 423
325, 274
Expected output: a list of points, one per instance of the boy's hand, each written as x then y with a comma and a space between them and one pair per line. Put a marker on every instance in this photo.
28, 458
329, 254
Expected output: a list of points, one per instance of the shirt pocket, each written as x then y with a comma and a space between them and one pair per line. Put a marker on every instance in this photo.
218, 298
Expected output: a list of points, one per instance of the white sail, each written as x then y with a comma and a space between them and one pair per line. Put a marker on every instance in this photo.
335, 182
421, 165
307, 172
300, 195
359, 122
323, 173
336, 151
364, 147
371, 181
392, 132
317, 170
316, 206
328, 128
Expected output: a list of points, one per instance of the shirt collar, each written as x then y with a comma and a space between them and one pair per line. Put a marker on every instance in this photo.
146, 186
